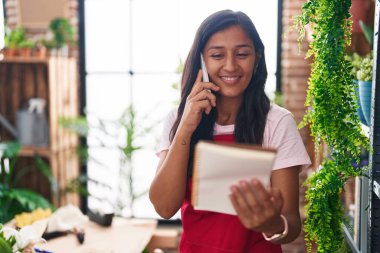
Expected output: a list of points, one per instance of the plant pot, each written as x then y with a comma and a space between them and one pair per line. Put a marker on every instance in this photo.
9, 52
359, 111
40, 52
365, 95
25, 52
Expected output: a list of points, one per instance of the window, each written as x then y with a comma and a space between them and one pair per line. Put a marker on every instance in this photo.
133, 49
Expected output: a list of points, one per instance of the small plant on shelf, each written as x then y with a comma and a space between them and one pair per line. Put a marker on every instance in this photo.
364, 72
12, 40
25, 48
63, 34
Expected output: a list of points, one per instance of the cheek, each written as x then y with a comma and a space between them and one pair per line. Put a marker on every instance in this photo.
212, 68
212, 72
249, 71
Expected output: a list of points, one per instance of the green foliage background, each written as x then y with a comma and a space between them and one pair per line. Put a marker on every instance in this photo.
332, 118
14, 200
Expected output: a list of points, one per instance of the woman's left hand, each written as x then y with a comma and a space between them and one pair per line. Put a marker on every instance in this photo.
258, 208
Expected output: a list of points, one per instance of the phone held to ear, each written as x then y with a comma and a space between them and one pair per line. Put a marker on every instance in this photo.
204, 70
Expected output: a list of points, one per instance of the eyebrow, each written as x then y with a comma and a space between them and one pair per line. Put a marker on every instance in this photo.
238, 46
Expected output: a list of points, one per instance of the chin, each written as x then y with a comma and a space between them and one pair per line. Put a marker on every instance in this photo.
229, 94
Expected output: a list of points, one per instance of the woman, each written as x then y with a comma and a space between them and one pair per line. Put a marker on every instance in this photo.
237, 110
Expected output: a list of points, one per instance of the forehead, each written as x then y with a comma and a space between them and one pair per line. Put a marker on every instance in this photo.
230, 37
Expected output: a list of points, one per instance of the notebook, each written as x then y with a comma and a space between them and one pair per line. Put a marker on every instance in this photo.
217, 166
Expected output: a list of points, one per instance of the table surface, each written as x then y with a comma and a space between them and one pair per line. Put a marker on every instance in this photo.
124, 236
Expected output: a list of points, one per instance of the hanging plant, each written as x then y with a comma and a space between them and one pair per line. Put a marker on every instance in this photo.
332, 117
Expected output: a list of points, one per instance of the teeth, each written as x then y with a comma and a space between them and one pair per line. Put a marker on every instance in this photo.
228, 78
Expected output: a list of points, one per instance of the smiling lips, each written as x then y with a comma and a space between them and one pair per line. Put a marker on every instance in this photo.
230, 79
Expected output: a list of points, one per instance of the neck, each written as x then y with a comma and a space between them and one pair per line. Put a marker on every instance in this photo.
227, 110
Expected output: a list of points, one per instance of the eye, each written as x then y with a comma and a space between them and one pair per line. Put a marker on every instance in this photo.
242, 55
217, 56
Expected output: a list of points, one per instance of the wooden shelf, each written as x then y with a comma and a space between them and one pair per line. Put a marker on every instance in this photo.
53, 79
32, 151
25, 60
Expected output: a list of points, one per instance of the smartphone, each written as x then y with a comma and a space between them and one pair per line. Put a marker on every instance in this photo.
204, 70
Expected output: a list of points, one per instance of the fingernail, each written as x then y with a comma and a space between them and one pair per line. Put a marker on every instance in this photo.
243, 183
255, 182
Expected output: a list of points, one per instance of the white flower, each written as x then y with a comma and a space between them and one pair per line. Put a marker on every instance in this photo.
25, 238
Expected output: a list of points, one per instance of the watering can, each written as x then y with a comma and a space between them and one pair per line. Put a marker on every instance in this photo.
31, 124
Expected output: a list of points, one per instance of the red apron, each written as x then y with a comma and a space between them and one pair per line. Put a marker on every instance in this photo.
211, 232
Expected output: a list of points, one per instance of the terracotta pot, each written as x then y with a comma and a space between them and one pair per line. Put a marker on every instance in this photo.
9, 52
359, 11
25, 52
40, 52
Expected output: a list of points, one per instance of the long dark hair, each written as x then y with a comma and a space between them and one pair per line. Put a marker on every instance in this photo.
251, 117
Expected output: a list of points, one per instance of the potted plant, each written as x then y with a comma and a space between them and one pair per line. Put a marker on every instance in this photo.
63, 33
364, 76
333, 120
47, 47
12, 40
40, 50
25, 48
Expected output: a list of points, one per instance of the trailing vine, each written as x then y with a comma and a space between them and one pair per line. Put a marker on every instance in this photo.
332, 117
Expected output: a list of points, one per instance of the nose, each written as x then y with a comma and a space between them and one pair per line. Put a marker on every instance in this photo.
230, 63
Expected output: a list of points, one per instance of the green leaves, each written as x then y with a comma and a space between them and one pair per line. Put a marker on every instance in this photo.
8, 152
77, 125
4, 246
332, 117
14, 37
63, 31
365, 69
29, 199
121, 135
13, 200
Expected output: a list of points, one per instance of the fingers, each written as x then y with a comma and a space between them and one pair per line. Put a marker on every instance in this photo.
261, 193
255, 205
204, 95
253, 197
242, 210
200, 86
200, 106
199, 76
200, 97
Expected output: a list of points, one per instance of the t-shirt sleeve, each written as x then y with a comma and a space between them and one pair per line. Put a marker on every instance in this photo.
290, 148
164, 143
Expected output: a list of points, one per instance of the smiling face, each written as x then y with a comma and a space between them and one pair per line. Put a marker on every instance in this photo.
230, 58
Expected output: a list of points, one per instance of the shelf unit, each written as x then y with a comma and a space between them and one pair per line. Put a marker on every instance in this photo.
54, 79
367, 237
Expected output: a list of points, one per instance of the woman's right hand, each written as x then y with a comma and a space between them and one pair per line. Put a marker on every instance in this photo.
199, 100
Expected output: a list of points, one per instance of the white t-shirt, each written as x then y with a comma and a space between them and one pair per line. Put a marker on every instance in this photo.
281, 133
